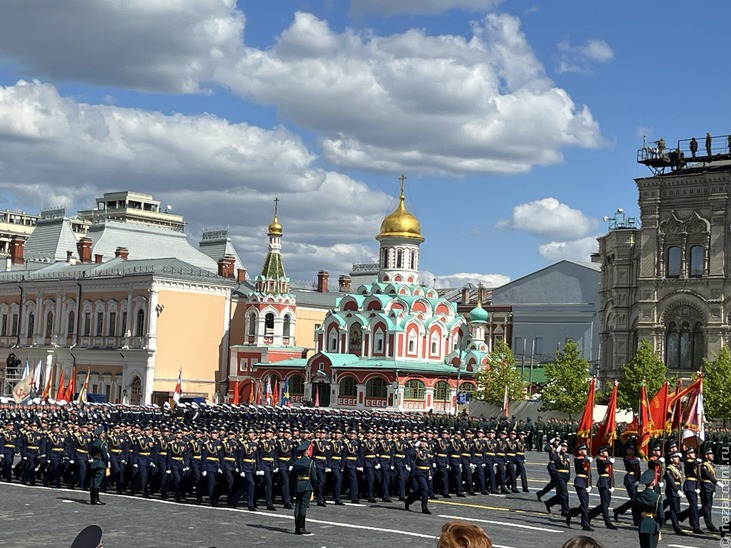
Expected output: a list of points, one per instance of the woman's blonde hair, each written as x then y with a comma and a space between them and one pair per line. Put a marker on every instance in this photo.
458, 534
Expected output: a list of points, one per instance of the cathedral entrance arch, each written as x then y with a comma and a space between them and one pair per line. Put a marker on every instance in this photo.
322, 391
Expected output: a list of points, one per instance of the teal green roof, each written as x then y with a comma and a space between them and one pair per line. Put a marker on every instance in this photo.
340, 359
273, 268
478, 314
392, 365
291, 362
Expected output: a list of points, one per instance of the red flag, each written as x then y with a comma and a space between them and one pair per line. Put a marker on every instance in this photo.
236, 392
71, 388
506, 403
252, 393
587, 418
178, 387
275, 392
607, 431
693, 420
676, 413
47, 389
658, 410
646, 426
693, 388
60, 392
317, 397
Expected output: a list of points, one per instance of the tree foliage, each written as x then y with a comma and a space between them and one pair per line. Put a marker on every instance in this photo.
567, 381
501, 372
645, 365
717, 386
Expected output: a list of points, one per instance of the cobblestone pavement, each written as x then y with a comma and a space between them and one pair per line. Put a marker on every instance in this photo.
37, 516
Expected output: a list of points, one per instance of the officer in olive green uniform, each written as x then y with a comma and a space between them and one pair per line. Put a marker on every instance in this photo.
99, 461
647, 511
304, 473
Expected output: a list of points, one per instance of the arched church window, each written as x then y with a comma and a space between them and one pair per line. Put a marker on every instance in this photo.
348, 388
697, 256
400, 258
356, 336
414, 390
287, 325
49, 324
434, 343
412, 342
333, 341
413, 260
685, 345
252, 324
376, 388
378, 341
441, 391
269, 324
672, 262
140, 327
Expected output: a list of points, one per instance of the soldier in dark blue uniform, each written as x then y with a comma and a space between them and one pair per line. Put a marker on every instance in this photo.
478, 461
285, 458
501, 451
142, 460
691, 467
420, 474
232, 467
467, 458
674, 491
605, 484
251, 463
562, 463
321, 453
212, 462
521, 447
386, 464
9, 446
441, 455
57, 454
32, 444
709, 482
178, 463
119, 447
79, 457
337, 465
490, 449
402, 460
550, 448
370, 461
631, 479
353, 462
582, 484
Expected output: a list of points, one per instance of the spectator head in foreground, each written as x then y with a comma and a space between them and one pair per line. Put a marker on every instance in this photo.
458, 534
582, 541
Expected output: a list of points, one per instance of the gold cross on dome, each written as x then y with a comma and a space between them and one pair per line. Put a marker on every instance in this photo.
402, 179
276, 205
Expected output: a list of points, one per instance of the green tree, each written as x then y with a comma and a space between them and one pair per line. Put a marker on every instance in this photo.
645, 365
501, 372
567, 381
717, 386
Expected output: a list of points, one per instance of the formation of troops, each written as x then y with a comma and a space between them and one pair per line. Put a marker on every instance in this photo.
245, 456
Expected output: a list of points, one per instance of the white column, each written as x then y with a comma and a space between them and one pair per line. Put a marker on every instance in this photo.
278, 329
38, 324
152, 302
57, 335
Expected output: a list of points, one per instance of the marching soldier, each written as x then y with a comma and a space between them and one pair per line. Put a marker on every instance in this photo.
79, 457
582, 484
231, 467
479, 455
98, 463
57, 454
420, 473
8, 448
550, 448
212, 461
336, 465
674, 491
467, 458
402, 462
490, 453
33, 442
520, 449
441, 459
268, 457
691, 468
353, 463
631, 479
605, 483
709, 482
386, 464
179, 462
251, 464
562, 464
285, 460
500, 455
370, 461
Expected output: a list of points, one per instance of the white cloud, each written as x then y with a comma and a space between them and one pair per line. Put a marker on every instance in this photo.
577, 250
160, 45
59, 151
403, 102
425, 7
417, 102
460, 279
582, 58
548, 218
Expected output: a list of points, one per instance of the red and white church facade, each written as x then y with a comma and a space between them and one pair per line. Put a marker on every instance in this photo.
391, 344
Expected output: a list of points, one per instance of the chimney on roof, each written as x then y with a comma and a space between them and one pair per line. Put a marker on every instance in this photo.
241, 275
344, 284
98, 258
226, 267
122, 253
465, 295
17, 246
84, 248
322, 279
69, 255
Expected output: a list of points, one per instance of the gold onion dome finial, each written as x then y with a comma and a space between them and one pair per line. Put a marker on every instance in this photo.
275, 228
401, 223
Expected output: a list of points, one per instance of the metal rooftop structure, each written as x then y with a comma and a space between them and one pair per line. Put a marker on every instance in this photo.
705, 150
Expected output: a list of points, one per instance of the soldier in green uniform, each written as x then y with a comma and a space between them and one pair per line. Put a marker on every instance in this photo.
647, 511
304, 472
99, 461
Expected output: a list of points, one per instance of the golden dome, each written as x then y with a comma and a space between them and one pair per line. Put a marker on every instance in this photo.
401, 224
275, 229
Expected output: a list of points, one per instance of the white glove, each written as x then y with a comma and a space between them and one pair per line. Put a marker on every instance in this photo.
588, 489
260, 472
135, 465
377, 466
48, 461
720, 484
611, 459
449, 467
661, 459
661, 484
698, 461
275, 471
591, 459
25, 458
408, 468
328, 469
611, 489
359, 468
168, 471
186, 469
290, 468
123, 461
220, 471
152, 465
242, 474
473, 467
434, 465
204, 473
697, 491
393, 467
681, 494
71, 461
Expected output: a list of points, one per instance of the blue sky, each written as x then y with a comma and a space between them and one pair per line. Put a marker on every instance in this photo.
517, 123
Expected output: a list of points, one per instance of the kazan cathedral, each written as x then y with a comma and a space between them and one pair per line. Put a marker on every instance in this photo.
393, 343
